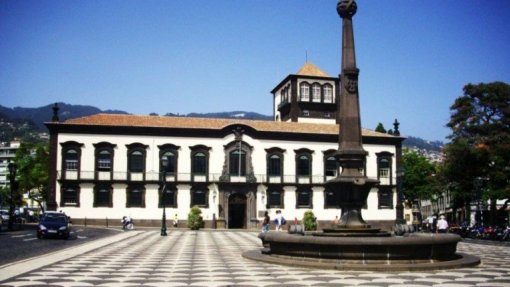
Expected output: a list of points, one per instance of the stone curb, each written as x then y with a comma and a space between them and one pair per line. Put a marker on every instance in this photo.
464, 260
10, 270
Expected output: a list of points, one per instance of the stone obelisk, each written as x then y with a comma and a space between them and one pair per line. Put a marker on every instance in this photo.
351, 186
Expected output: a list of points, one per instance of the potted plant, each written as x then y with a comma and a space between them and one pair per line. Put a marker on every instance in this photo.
309, 221
195, 221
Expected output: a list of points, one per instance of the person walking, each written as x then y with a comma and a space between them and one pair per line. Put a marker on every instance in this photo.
265, 222
176, 221
442, 225
279, 220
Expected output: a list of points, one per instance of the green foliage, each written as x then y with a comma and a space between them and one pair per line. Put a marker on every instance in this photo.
309, 220
480, 146
195, 221
380, 128
22, 129
4, 196
32, 162
420, 178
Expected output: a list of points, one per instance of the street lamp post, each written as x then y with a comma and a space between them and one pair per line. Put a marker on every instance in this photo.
12, 179
164, 165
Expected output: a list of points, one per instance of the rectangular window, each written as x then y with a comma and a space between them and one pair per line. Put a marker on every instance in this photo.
136, 162
331, 166
275, 199
330, 200
303, 166
199, 163
71, 160
304, 199
171, 167
385, 198
328, 94
305, 93
104, 160
274, 166
170, 198
199, 198
316, 93
135, 198
71, 164
235, 161
70, 197
102, 197
384, 172
104, 164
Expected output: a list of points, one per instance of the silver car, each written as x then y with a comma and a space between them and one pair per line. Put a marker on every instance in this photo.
4, 216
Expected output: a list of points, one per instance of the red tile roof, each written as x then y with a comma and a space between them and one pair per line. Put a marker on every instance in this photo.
310, 69
208, 123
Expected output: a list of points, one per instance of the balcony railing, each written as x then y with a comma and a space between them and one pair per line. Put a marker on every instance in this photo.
283, 103
152, 176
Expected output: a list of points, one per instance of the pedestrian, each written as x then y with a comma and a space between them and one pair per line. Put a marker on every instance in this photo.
442, 225
265, 222
176, 221
30, 215
335, 221
279, 220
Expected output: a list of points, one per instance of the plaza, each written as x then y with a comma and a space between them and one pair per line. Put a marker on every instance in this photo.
213, 258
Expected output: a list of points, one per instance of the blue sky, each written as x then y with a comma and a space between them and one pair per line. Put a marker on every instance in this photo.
212, 56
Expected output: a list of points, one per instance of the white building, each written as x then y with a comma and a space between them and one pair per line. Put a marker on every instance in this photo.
106, 166
7, 154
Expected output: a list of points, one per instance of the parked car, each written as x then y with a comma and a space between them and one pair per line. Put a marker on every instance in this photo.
4, 216
53, 224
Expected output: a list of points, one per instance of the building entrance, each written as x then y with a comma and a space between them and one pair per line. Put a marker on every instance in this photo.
237, 211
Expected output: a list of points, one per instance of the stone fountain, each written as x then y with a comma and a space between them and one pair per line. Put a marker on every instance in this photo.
354, 244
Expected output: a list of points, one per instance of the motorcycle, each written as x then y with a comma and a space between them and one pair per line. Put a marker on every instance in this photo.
127, 223
477, 232
505, 234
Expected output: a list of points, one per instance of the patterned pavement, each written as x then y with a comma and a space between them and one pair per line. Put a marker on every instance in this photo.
213, 258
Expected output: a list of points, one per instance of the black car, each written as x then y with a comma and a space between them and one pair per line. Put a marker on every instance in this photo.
53, 224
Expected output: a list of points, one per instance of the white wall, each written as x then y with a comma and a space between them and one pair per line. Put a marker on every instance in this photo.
216, 162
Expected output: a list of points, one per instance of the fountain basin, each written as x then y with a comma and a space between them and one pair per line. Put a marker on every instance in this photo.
413, 252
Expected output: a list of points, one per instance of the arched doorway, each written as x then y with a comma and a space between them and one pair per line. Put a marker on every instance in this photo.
237, 211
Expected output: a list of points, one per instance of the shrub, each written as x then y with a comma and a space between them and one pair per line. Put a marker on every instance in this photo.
309, 221
195, 221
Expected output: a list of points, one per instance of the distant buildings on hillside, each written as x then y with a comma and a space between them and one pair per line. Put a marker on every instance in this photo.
431, 155
7, 154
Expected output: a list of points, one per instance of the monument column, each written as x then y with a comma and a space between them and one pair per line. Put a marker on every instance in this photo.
351, 187
351, 154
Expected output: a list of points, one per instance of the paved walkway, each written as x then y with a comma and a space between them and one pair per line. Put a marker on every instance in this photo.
213, 258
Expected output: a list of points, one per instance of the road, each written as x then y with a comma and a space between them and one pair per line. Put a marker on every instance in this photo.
23, 244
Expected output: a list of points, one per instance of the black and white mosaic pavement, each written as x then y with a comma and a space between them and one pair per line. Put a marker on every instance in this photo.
213, 258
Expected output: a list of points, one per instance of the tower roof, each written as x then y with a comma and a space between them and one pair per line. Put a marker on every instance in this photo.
309, 69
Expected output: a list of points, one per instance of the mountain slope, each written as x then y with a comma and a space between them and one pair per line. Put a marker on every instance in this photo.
44, 114
21, 120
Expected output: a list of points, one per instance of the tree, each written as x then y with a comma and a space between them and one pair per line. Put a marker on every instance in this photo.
420, 181
380, 128
480, 123
32, 161
462, 166
4, 196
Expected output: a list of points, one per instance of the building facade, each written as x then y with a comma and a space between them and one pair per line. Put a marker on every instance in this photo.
106, 166
7, 155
